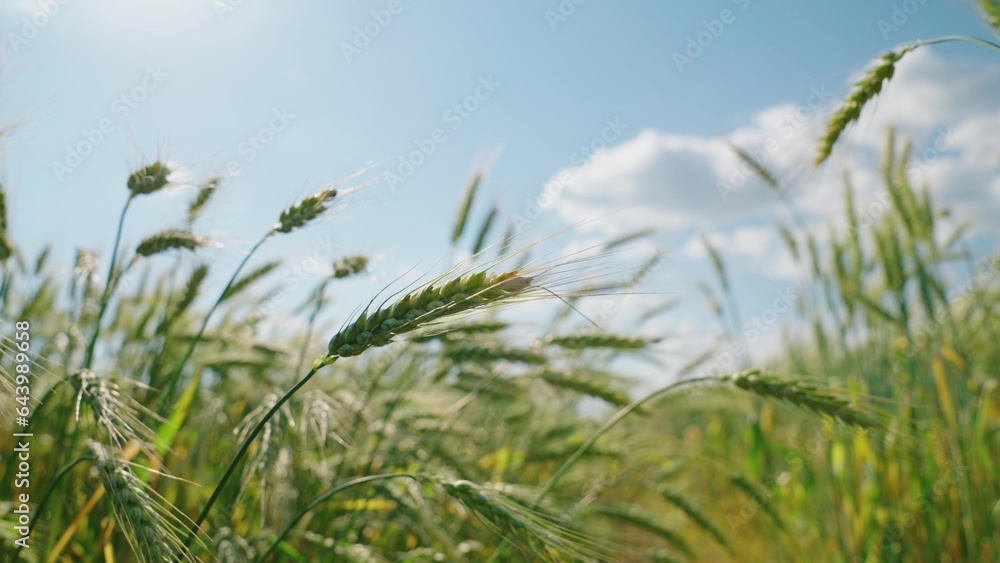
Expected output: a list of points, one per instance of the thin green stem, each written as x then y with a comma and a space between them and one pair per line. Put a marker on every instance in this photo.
585, 447
956, 38
324, 497
108, 287
243, 450
175, 377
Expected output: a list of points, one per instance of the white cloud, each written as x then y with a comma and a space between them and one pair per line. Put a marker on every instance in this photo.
672, 181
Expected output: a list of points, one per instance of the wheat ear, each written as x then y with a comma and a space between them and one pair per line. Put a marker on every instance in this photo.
864, 91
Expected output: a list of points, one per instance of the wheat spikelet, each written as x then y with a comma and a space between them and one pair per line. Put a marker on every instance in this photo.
765, 174
864, 91
149, 179
484, 355
304, 211
349, 266
600, 340
803, 395
425, 306
170, 239
205, 193
463, 211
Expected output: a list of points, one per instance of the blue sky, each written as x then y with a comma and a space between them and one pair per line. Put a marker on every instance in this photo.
202, 79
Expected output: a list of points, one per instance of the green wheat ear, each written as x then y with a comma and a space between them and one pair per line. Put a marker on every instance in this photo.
990, 10
205, 193
864, 91
171, 239
149, 179
305, 211
349, 266
804, 395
